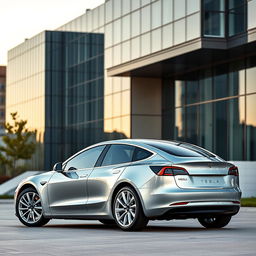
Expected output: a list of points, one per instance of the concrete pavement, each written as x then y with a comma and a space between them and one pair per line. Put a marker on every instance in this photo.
180, 237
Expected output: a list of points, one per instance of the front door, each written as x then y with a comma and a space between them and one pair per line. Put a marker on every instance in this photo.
67, 191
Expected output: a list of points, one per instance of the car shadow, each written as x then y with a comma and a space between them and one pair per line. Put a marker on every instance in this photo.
149, 228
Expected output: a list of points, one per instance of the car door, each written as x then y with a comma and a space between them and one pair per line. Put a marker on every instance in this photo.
67, 191
103, 177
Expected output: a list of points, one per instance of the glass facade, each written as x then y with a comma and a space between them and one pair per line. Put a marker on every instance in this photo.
59, 91
215, 108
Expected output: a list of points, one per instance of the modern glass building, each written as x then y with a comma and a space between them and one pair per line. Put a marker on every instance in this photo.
173, 69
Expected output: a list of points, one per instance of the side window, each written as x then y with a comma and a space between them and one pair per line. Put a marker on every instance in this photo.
118, 154
86, 159
140, 154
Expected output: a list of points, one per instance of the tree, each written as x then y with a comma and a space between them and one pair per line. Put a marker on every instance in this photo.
18, 144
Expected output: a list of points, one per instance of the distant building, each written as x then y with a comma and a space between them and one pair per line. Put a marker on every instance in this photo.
2, 98
173, 69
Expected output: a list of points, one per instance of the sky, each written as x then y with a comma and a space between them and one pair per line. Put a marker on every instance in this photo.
20, 19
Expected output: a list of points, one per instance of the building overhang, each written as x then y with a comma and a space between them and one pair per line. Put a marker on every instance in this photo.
188, 56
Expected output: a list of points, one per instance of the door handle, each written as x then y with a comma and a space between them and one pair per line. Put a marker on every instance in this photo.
43, 182
83, 176
116, 171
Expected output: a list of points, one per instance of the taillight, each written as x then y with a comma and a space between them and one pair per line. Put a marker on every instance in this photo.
168, 170
233, 171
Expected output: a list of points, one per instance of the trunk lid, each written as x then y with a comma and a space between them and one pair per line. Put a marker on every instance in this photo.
203, 175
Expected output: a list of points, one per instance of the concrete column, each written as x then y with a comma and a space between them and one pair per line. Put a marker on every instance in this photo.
146, 109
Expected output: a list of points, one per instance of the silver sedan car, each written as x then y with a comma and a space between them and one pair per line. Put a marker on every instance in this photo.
129, 182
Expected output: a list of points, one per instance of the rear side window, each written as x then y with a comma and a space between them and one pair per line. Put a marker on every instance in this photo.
175, 150
140, 154
118, 154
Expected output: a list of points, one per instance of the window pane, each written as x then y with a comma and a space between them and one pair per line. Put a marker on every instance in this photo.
236, 79
237, 21
140, 154
117, 31
251, 14
126, 6
179, 133
167, 36
156, 40
251, 127
135, 4
214, 24
214, 5
126, 51
179, 9
192, 94
193, 26
193, 6
179, 93
220, 83
221, 129
156, 14
126, 28
206, 86
251, 77
206, 126
108, 11
179, 31
145, 19
118, 154
167, 11
135, 48
174, 150
135, 23
117, 54
192, 124
87, 159
236, 128
145, 44
117, 9
108, 35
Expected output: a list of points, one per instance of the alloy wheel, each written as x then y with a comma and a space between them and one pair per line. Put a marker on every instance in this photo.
125, 208
30, 207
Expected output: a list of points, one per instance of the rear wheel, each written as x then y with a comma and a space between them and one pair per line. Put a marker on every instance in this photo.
29, 208
215, 222
127, 210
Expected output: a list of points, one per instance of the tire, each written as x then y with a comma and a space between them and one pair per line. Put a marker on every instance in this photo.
108, 222
215, 222
29, 208
127, 210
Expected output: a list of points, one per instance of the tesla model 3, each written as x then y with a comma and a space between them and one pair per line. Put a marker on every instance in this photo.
129, 182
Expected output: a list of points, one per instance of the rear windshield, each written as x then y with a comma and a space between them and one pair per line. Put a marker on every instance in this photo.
175, 149
197, 149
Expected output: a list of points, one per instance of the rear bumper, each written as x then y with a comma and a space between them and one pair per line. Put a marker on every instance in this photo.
198, 211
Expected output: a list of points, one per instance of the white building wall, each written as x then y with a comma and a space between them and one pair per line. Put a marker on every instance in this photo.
247, 171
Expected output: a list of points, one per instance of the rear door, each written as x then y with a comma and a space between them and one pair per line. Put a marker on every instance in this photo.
105, 175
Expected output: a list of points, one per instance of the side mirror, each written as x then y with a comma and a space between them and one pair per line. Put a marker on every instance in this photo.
57, 167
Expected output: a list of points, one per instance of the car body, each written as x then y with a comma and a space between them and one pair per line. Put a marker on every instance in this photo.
159, 179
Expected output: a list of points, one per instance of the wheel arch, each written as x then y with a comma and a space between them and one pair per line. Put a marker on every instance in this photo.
122, 184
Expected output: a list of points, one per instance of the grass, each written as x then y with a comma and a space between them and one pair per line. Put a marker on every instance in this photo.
248, 202
245, 202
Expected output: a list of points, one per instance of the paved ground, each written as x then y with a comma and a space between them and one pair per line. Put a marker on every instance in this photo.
159, 238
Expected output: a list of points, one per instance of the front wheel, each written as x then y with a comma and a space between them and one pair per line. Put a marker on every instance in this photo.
215, 222
127, 210
29, 208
